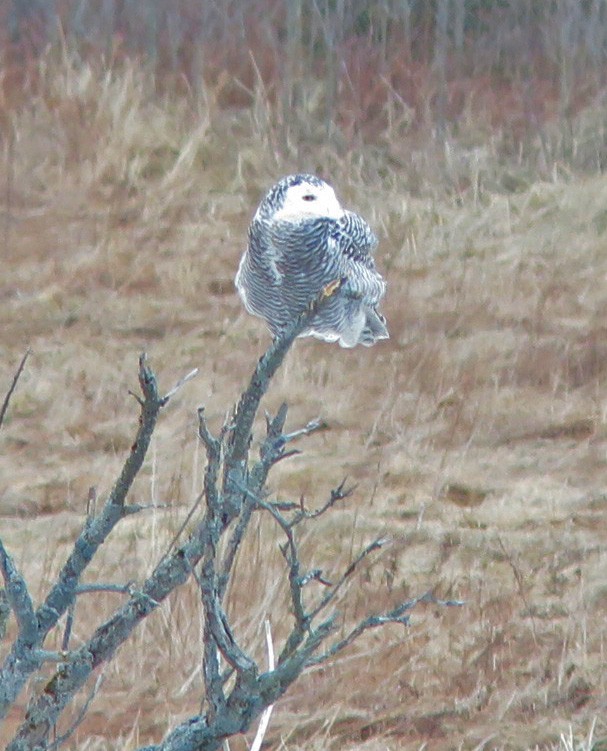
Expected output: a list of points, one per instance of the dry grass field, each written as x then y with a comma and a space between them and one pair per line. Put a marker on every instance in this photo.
477, 435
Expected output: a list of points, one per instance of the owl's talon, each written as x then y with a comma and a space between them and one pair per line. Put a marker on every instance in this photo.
330, 289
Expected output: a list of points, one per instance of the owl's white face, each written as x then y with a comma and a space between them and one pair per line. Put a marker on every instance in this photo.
308, 200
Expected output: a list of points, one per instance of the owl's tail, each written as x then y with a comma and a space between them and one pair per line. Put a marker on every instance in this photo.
375, 328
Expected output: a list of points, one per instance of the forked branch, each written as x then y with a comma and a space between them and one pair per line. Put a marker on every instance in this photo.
26, 655
237, 690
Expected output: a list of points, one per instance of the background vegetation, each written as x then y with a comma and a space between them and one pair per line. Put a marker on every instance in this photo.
136, 141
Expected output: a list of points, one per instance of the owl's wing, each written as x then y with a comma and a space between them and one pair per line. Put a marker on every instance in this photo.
316, 251
355, 239
301, 250
262, 254
354, 242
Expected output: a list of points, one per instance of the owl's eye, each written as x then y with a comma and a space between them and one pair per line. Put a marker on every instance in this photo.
309, 197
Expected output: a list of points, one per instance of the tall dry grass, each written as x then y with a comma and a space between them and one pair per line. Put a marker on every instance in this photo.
476, 434
516, 74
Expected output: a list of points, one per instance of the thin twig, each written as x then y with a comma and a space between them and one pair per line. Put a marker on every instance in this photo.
49, 655
296, 583
123, 589
19, 598
188, 377
81, 715
397, 615
150, 409
324, 602
213, 448
312, 427
13, 385
234, 545
219, 627
69, 623
339, 493
182, 526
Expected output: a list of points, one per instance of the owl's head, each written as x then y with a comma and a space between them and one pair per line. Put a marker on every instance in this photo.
300, 197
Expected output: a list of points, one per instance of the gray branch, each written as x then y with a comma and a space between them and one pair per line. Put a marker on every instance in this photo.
9, 393
18, 598
248, 405
397, 615
24, 657
237, 690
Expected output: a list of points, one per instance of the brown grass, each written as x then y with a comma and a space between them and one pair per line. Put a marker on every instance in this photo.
477, 434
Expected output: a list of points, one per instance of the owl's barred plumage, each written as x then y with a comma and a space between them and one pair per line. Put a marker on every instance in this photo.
301, 240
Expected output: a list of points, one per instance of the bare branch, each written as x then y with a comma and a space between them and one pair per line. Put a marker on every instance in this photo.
239, 694
21, 662
59, 691
312, 427
272, 449
188, 377
150, 408
296, 583
234, 542
324, 602
5, 611
136, 508
213, 680
18, 598
219, 627
123, 589
339, 493
183, 525
314, 575
69, 623
48, 655
397, 615
214, 451
81, 715
13, 385
265, 370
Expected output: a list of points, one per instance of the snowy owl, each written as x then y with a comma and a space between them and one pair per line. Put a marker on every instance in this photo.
300, 241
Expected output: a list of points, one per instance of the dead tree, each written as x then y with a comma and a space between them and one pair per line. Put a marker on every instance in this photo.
237, 689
